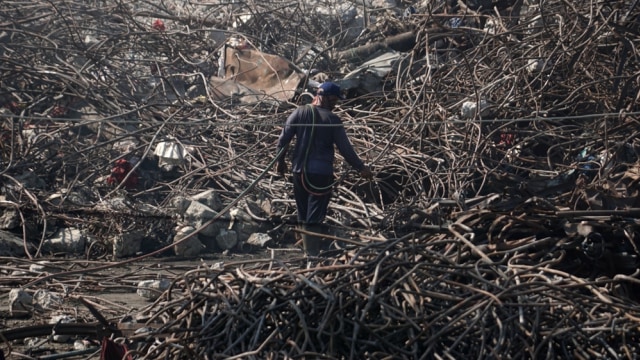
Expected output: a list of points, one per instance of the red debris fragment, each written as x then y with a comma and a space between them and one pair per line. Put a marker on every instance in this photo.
110, 350
158, 25
507, 139
58, 111
120, 171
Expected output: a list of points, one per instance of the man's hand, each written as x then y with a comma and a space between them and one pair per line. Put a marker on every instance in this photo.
366, 173
281, 167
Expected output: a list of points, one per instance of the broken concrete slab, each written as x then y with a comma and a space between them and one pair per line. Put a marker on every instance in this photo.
242, 223
152, 289
187, 248
28, 180
259, 240
198, 214
211, 198
227, 239
470, 109
46, 300
126, 245
369, 77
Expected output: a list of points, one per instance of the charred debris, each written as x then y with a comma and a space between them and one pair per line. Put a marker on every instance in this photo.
502, 221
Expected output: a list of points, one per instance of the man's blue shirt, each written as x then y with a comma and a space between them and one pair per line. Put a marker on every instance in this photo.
315, 144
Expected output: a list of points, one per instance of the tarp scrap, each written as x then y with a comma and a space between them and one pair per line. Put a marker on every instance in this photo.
251, 75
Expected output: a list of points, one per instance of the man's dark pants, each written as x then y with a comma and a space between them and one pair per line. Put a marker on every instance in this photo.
312, 193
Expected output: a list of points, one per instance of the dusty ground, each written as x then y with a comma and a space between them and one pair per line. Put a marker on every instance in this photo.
111, 290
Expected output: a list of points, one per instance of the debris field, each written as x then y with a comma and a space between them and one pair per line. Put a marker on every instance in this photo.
502, 220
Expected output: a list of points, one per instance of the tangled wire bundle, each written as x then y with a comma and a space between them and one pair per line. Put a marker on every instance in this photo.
405, 298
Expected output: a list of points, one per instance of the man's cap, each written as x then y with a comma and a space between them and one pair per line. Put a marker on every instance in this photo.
330, 88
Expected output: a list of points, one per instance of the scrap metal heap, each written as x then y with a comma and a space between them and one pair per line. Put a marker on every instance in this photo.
502, 221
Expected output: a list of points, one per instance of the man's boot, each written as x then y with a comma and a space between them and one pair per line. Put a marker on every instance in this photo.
312, 243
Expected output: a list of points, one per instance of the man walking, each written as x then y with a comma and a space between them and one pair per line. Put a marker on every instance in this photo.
317, 129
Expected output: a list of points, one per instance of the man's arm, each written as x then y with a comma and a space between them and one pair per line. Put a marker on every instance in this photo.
283, 142
346, 150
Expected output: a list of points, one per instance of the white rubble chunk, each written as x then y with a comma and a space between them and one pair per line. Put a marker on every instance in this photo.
199, 211
259, 239
238, 215
211, 198
65, 240
492, 26
125, 245
242, 223
144, 330
468, 110
170, 153
10, 218
190, 247
152, 289
241, 20
81, 344
181, 204
382, 4
197, 214
19, 272
46, 300
126, 145
535, 66
19, 301
43, 266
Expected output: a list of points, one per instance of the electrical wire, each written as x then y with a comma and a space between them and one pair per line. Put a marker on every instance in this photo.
306, 183
213, 122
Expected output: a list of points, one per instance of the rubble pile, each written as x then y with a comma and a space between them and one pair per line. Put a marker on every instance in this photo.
502, 218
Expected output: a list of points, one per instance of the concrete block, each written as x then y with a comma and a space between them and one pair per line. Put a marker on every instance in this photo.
227, 239
188, 248
197, 214
468, 110
181, 204
152, 289
126, 245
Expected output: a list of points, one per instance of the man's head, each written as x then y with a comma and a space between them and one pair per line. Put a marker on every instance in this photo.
329, 88
328, 95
